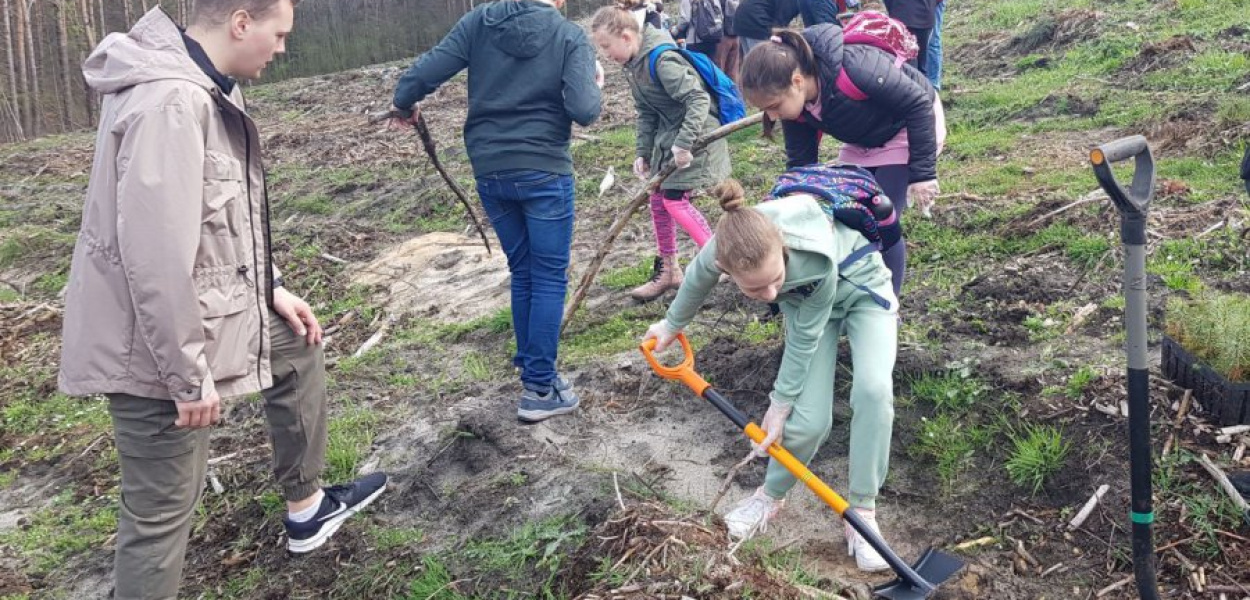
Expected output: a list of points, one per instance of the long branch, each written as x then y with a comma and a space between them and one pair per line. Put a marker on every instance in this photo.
640, 199
427, 141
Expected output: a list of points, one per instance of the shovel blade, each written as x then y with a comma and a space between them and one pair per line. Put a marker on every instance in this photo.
934, 566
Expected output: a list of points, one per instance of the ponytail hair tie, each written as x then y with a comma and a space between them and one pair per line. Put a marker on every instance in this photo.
775, 39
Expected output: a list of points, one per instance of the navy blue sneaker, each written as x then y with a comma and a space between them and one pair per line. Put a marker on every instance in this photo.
339, 503
537, 405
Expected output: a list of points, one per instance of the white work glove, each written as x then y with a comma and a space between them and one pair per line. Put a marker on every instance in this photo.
922, 195
599, 76
642, 168
662, 334
774, 424
682, 157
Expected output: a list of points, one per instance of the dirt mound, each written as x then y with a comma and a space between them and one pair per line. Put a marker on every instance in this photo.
443, 275
653, 553
1165, 54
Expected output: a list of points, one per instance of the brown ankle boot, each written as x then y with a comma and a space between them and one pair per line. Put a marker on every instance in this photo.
666, 276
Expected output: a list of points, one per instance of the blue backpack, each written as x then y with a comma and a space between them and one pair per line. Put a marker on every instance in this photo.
729, 105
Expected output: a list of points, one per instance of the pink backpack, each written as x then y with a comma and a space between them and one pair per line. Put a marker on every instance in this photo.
876, 29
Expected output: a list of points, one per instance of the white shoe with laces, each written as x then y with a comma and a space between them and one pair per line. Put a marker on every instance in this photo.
866, 557
752, 515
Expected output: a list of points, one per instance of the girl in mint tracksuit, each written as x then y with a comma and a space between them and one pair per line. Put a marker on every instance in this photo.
789, 252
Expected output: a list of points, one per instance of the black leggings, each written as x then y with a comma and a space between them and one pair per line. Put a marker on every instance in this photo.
893, 181
922, 38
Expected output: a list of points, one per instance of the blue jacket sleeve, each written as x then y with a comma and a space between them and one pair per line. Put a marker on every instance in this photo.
816, 12
582, 98
441, 63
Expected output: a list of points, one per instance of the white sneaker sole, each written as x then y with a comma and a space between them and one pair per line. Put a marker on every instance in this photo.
331, 526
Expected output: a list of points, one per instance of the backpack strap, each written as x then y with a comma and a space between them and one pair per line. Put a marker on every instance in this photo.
848, 87
654, 56
851, 259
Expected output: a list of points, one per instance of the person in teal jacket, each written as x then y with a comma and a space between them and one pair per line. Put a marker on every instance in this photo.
789, 252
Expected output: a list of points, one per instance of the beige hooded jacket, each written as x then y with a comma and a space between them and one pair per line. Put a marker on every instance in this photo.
171, 278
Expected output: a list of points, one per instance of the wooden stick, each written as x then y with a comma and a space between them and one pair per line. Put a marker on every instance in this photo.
1080, 517
1086, 199
616, 484
1180, 418
1222, 479
724, 486
1113, 587
427, 141
640, 199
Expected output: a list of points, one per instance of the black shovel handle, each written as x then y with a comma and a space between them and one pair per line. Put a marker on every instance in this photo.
1135, 200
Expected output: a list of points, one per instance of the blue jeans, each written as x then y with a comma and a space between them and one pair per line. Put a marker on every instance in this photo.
532, 212
933, 58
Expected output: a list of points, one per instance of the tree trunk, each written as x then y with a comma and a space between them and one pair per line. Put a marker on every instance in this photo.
67, 99
89, 95
23, 90
101, 24
36, 121
14, 107
129, 17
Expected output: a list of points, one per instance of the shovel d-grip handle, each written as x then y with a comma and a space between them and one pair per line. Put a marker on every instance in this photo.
683, 371
1135, 200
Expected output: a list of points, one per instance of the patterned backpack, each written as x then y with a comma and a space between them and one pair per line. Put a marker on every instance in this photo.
875, 29
851, 196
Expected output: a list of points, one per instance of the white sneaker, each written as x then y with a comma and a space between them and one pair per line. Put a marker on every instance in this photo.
752, 515
866, 557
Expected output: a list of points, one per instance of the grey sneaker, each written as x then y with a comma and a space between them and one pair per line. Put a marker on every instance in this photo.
537, 406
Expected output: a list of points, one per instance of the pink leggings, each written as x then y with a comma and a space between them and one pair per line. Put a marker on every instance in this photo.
674, 205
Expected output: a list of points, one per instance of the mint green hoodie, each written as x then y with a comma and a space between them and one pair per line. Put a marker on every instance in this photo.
814, 250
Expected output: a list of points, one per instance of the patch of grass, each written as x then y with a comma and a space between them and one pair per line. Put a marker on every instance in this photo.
537, 550
1215, 69
386, 539
620, 332
941, 245
1215, 327
949, 391
951, 442
351, 437
24, 244
58, 413
312, 203
497, 322
625, 278
788, 562
1037, 453
760, 332
1079, 381
433, 584
64, 529
476, 367
239, 585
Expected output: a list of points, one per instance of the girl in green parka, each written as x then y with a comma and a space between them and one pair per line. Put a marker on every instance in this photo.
674, 109
828, 280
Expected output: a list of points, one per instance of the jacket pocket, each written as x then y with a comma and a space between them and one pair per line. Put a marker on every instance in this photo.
225, 195
227, 331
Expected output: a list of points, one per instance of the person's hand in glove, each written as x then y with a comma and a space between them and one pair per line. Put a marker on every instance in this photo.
662, 333
682, 157
922, 195
642, 169
774, 424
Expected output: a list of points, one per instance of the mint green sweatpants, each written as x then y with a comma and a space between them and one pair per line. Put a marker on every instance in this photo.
873, 335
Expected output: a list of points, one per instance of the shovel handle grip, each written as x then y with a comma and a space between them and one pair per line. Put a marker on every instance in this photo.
683, 371
1118, 150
